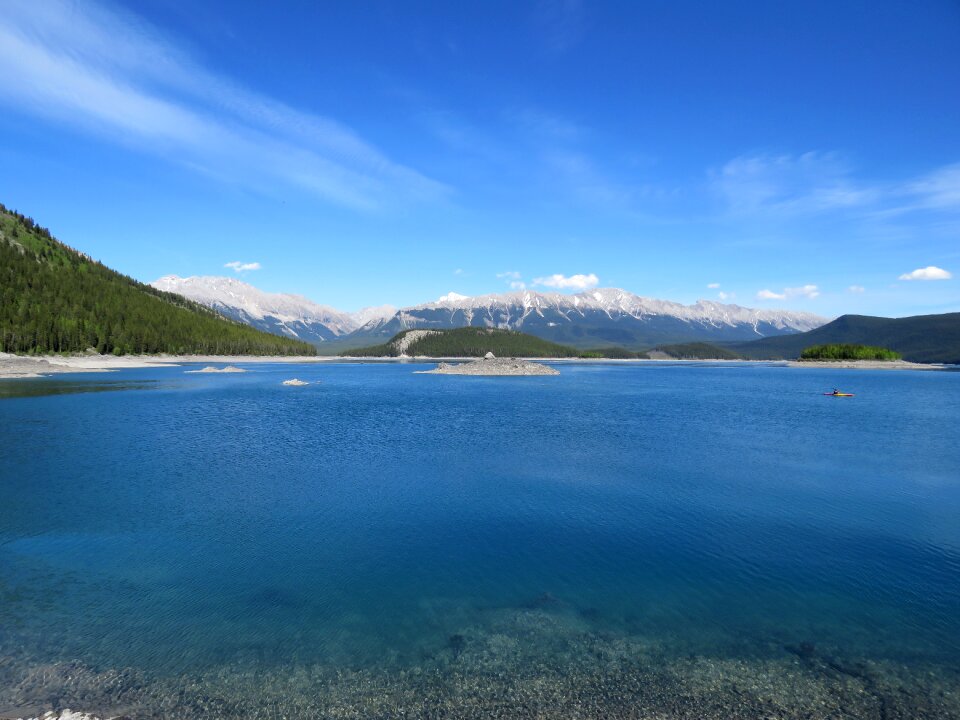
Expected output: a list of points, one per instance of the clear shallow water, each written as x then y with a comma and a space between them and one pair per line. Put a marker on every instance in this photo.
383, 521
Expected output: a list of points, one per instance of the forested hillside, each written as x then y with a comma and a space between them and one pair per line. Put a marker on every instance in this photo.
698, 351
921, 338
55, 299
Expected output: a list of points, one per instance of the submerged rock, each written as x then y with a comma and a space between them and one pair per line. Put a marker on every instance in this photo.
295, 381
457, 643
542, 601
213, 369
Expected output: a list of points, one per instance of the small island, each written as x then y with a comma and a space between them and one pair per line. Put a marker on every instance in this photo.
857, 357
846, 351
492, 365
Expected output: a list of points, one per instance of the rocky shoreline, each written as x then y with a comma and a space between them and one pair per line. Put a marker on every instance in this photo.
864, 364
25, 366
29, 366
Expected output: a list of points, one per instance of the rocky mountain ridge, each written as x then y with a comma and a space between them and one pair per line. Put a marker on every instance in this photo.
586, 319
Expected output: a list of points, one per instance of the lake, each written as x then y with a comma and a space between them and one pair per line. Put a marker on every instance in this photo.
695, 540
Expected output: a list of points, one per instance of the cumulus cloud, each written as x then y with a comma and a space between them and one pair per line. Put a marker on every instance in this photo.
105, 71
713, 286
242, 267
513, 279
563, 282
808, 291
856, 289
770, 295
931, 272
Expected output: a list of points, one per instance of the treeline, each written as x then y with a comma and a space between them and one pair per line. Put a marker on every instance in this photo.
55, 299
698, 351
614, 353
846, 351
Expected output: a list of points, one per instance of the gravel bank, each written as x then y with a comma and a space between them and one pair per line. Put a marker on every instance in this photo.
493, 366
24, 366
864, 364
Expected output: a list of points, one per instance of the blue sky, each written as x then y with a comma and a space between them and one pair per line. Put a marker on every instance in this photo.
805, 157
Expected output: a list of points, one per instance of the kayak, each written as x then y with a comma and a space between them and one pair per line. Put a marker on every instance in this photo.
839, 394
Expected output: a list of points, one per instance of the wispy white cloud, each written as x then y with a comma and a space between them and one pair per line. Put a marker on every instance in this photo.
770, 295
545, 125
726, 296
458, 271
107, 72
513, 279
789, 184
242, 267
713, 286
819, 182
591, 184
939, 189
856, 289
564, 282
561, 23
930, 272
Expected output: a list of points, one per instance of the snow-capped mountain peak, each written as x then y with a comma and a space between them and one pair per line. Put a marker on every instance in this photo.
587, 319
598, 316
282, 313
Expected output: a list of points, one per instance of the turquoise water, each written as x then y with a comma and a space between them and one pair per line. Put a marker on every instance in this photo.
383, 526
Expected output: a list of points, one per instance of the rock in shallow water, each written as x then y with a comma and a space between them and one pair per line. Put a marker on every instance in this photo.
213, 369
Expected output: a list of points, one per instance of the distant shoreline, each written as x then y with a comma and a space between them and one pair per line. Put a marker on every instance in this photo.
26, 366
865, 364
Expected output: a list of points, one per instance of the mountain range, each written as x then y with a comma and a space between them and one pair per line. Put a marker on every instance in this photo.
607, 316
278, 313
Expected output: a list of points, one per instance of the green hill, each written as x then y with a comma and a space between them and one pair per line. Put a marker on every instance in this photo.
55, 299
921, 338
467, 342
